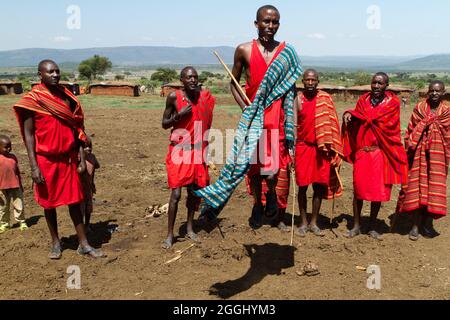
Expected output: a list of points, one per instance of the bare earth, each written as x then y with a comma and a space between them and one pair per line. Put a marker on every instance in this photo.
131, 146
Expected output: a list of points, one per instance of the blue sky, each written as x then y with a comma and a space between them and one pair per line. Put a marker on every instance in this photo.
317, 28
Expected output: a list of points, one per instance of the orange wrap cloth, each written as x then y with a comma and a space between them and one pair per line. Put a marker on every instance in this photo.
271, 159
58, 131
186, 160
318, 133
372, 142
427, 141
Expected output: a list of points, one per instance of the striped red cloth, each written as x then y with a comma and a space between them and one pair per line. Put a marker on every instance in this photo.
384, 120
328, 132
427, 141
41, 100
328, 137
282, 189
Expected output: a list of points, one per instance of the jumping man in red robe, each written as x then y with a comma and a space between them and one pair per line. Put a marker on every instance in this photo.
271, 171
373, 143
52, 125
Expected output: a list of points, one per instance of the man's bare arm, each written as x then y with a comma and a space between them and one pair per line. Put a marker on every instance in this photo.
171, 116
170, 111
30, 143
238, 67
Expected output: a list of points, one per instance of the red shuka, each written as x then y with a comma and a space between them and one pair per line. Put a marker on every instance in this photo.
185, 161
57, 127
372, 142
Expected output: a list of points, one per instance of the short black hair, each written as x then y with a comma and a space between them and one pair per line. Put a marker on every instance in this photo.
186, 69
439, 82
44, 62
266, 7
382, 74
311, 71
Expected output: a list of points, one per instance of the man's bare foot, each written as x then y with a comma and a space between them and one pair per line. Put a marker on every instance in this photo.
283, 227
316, 230
192, 236
302, 231
375, 235
91, 252
414, 234
55, 252
353, 233
167, 244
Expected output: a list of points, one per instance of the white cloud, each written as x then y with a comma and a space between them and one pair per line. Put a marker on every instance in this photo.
147, 38
62, 39
318, 36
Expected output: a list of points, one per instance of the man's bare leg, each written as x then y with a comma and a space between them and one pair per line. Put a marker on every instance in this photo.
258, 208
84, 246
319, 193
374, 210
271, 196
52, 223
172, 216
303, 206
357, 208
191, 206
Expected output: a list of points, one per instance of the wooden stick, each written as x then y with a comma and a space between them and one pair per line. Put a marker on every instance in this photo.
236, 83
338, 175
293, 206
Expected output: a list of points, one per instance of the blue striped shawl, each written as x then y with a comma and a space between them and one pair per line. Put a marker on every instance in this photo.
278, 83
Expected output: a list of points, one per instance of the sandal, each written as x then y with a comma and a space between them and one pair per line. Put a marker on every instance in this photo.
350, 234
414, 235
55, 253
93, 253
316, 230
375, 235
302, 231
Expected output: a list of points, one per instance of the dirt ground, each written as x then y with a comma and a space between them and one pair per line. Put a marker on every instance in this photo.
245, 264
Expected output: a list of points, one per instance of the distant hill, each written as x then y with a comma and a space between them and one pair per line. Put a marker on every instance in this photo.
120, 56
156, 56
437, 62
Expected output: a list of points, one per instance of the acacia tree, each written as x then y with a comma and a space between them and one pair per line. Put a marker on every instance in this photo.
94, 67
164, 75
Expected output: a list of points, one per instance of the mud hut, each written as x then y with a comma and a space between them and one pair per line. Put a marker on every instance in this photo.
114, 89
166, 89
10, 87
336, 92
